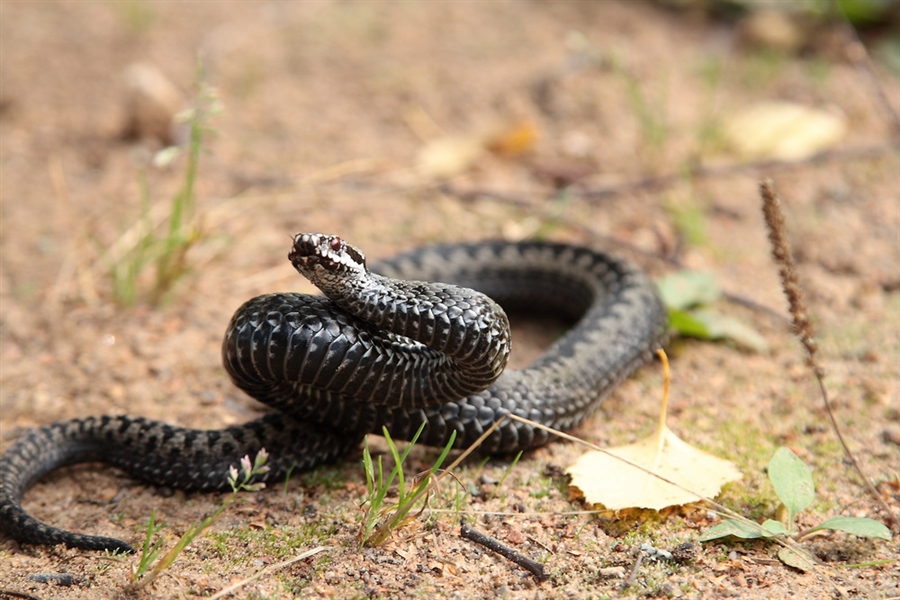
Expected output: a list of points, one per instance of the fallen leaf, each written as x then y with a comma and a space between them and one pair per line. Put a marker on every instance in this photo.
447, 157
798, 558
784, 130
605, 478
616, 485
512, 140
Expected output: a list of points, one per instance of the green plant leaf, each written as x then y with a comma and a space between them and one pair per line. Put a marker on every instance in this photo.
792, 481
731, 527
797, 558
684, 289
774, 527
864, 12
685, 324
721, 326
861, 526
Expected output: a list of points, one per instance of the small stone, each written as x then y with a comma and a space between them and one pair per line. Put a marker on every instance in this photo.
612, 572
152, 103
60, 579
685, 553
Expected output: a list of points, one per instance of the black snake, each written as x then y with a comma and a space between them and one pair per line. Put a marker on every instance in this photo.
376, 351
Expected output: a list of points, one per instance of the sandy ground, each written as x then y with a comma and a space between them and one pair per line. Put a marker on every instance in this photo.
327, 107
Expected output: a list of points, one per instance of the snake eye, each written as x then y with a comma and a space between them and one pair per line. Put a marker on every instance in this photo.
336, 243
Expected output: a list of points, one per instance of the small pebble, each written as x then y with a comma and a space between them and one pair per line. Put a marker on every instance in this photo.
656, 553
685, 553
612, 572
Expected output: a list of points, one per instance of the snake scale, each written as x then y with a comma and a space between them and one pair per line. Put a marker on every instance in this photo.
385, 349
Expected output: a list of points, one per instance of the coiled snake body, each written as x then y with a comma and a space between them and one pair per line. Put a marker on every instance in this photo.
376, 351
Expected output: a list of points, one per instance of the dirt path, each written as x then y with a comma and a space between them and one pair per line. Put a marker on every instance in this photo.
327, 107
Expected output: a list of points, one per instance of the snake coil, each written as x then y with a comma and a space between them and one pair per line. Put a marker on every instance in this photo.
375, 351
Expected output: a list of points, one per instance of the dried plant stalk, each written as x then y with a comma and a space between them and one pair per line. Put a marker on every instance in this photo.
787, 270
790, 283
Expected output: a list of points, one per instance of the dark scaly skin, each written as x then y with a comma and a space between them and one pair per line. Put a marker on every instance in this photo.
334, 377
197, 460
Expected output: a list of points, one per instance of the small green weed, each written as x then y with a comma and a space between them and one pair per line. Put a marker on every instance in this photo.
651, 115
166, 251
150, 565
137, 15
689, 218
686, 295
382, 518
506, 473
794, 486
272, 542
709, 132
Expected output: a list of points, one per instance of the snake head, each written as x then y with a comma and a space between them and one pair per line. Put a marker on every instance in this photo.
318, 255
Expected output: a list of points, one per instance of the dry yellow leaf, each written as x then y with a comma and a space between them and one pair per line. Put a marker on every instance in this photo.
784, 130
513, 140
447, 157
605, 478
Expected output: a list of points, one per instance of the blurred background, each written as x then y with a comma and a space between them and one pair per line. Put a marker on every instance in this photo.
156, 157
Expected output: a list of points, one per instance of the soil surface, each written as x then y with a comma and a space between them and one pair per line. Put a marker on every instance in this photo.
328, 107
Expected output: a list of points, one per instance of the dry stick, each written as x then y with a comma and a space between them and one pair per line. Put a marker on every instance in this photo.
634, 572
17, 594
532, 566
790, 283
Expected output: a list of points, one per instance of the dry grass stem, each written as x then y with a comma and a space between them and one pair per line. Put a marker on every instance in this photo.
790, 283
787, 271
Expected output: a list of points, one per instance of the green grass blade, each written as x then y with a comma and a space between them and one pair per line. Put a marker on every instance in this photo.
445, 452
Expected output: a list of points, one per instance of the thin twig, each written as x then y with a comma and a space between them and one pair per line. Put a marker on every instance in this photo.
754, 305
634, 572
790, 283
17, 594
532, 566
